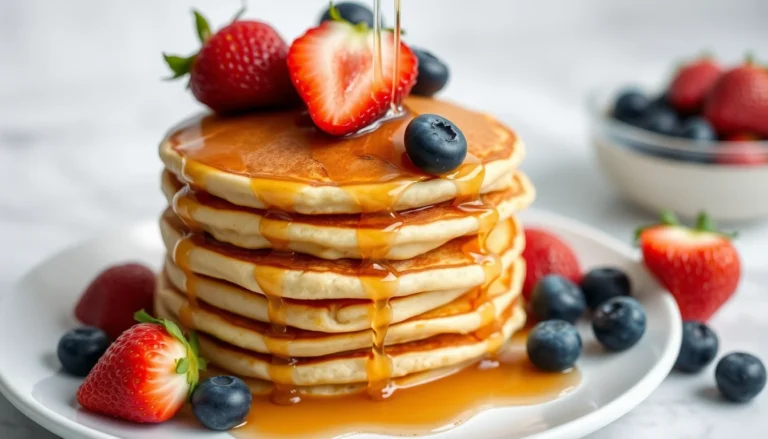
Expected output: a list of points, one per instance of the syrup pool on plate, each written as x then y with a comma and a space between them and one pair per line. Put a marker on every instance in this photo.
506, 380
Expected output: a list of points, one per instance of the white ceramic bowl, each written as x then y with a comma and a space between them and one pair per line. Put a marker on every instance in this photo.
662, 172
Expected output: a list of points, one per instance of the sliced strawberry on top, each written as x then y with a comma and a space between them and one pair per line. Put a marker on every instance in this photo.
146, 375
332, 68
699, 266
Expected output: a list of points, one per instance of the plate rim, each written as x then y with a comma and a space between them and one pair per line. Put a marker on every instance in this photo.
575, 428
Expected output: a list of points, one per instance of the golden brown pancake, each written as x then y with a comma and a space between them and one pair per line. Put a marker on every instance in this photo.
436, 352
299, 276
464, 315
330, 316
414, 231
280, 160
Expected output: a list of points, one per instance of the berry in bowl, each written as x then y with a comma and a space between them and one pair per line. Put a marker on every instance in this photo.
700, 144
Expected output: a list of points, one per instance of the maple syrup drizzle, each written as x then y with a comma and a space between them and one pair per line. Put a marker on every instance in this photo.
423, 409
274, 226
497, 380
395, 105
181, 254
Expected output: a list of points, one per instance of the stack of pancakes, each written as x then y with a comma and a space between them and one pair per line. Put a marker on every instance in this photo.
309, 264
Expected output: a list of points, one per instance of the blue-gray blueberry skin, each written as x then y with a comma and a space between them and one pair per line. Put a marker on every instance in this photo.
434, 144
433, 74
619, 323
740, 376
353, 12
221, 402
698, 347
554, 345
603, 283
555, 297
80, 349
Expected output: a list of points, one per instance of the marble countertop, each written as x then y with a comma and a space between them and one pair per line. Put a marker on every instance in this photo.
82, 109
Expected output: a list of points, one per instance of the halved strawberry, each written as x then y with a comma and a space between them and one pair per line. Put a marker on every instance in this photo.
332, 68
699, 266
146, 375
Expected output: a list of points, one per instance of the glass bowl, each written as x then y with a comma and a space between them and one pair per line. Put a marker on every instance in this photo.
662, 172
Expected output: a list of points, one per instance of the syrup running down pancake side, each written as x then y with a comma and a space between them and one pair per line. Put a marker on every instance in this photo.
294, 169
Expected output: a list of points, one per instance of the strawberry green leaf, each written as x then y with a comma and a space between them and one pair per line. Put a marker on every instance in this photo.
201, 24
334, 13
669, 218
194, 343
143, 316
182, 365
179, 65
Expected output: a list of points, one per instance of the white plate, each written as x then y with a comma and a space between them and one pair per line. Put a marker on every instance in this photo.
38, 310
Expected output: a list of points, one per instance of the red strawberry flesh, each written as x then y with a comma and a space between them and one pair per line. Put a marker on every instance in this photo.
333, 69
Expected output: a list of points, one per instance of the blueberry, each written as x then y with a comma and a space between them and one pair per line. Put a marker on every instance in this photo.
619, 323
434, 144
433, 74
698, 348
697, 128
603, 283
740, 377
555, 297
554, 345
661, 120
630, 105
79, 349
221, 402
353, 12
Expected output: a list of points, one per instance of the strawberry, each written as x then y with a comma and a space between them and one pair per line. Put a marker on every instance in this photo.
739, 101
240, 67
544, 254
146, 375
332, 67
699, 266
692, 84
113, 297
742, 151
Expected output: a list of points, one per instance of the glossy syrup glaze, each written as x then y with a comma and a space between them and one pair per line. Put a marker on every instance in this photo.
281, 154
505, 380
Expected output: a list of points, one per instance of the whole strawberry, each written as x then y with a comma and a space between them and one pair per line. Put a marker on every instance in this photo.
332, 67
146, 375
692, 84
240, 67
113, 297
739, 101
699, 266
545, 253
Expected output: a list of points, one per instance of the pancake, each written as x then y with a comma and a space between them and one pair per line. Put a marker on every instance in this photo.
278, 159
331, 316
436, 352
298, 276
338, 236
261, 387
466, 314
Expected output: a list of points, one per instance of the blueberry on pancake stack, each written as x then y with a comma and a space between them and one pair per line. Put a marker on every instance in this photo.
365, 238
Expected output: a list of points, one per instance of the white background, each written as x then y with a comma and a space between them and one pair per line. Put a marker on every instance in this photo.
82, 109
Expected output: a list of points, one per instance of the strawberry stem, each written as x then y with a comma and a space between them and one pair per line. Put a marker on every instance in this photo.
240, 12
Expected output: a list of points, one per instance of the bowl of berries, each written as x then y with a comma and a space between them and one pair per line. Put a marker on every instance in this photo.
699, 144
